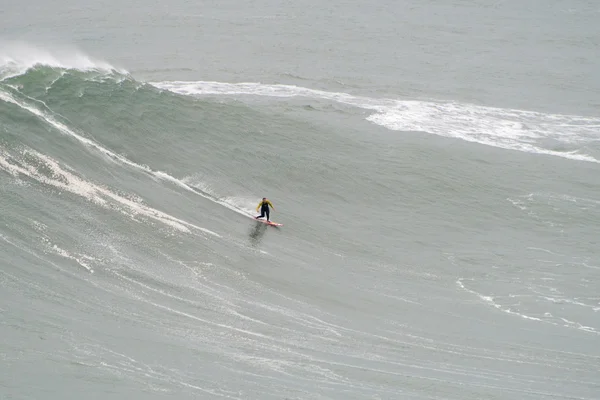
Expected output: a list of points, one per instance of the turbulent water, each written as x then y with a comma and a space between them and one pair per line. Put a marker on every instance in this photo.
436, 169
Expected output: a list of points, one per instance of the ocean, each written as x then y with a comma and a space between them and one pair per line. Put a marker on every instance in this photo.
435, 166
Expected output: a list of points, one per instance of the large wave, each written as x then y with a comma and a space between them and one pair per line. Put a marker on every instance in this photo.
18, 58
568, 136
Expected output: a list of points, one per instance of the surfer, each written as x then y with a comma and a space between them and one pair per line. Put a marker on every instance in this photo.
264, 208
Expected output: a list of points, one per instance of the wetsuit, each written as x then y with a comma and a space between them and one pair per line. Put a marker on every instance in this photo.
264, 208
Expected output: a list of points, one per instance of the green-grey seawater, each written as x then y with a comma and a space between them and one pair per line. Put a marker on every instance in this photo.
436, 166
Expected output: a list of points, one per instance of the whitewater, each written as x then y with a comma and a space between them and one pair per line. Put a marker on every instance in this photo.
439, 233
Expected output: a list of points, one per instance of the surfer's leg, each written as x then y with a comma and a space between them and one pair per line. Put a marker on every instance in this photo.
264, 210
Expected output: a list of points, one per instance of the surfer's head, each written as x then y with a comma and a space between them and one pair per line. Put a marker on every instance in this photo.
264, 198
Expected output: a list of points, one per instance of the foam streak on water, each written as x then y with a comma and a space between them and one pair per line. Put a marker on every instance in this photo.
508, 129
47, 117
405, 269
63, 179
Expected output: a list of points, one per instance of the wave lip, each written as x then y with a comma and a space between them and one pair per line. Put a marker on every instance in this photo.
18, 58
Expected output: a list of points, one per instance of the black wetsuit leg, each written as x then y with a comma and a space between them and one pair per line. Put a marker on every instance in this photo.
264, 210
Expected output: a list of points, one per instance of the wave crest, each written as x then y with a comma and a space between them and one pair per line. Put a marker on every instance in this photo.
566, 136
17, 58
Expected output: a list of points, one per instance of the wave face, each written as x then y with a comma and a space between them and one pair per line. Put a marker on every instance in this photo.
569, 136
429, 249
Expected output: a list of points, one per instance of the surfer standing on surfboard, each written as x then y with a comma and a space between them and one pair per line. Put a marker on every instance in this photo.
264, 208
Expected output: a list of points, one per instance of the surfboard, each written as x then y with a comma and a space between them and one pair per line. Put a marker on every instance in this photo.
264, 221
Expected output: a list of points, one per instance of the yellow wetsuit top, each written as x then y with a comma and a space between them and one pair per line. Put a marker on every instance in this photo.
264, 202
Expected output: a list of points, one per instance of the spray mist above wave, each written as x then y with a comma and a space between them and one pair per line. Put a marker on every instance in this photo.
17, 58
526, 131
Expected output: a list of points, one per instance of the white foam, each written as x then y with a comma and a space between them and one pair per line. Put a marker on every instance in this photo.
29, 165
490, 300
18, 57
568, 301
503, 128
45, 116
569, 324
82, 260
240, 205
245, 204
579, 326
